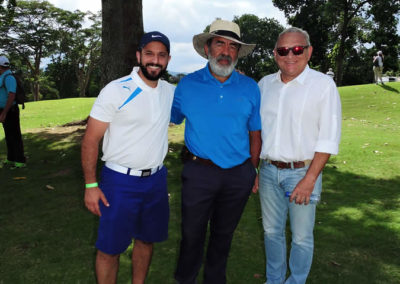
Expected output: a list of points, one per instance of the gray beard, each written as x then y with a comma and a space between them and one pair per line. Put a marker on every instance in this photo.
219, 70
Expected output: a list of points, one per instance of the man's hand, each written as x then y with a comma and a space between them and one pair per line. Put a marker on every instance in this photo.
302, 192
255, 186
2, 116
305, 187
92, 198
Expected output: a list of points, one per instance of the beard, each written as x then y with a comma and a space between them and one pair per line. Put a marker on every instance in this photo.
152, 75
219, 70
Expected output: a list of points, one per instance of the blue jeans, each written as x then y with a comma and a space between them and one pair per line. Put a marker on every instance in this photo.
275, 206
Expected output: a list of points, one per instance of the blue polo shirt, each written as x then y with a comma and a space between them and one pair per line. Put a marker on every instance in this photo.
9, 85
218, 115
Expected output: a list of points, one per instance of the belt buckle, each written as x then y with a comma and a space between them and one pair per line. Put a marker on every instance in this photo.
146, 173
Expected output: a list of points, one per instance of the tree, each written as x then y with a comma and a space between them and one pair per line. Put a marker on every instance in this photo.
32, 34
122, 30
263, 32
384, 31
86, 52
78, 53
337, 23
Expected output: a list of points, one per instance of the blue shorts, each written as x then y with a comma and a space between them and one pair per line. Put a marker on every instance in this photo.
138, 209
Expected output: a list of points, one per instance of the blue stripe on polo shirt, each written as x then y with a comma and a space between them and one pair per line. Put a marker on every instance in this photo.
126, 80
131, 97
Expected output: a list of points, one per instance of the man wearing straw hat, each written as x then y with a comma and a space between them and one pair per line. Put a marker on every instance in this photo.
223, 142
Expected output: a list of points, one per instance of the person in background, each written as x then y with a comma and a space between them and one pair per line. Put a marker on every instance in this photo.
223, 142
9, 117
378, 67
301, 125
331, 73
131, 115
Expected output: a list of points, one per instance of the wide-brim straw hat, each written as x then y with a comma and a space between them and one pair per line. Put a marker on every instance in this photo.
225, 29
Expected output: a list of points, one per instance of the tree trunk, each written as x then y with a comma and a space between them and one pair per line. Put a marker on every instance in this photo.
122, 28
341, 51
339, 60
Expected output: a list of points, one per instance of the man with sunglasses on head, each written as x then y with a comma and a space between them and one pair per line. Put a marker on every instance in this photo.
301, 124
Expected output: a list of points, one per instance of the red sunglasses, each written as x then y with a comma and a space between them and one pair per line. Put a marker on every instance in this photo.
297, 50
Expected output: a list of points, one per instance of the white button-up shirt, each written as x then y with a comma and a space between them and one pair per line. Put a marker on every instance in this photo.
300, 117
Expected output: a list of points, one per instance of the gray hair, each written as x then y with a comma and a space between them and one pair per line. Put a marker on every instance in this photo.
295, 30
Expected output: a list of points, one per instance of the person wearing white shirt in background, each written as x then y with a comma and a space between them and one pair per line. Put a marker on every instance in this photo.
378, 67
331, 73
301, 124
132, 114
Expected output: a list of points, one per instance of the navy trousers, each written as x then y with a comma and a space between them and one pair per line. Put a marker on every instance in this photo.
215, 196
12, 132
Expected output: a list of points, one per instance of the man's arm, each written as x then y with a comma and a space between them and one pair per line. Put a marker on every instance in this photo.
9, 103
304, 188
89, 154
255, 150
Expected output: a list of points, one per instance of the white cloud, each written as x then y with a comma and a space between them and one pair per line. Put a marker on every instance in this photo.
72, 5
184, 58
180, 20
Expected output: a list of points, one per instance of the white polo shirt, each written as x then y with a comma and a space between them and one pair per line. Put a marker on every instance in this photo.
300, 117
137, 136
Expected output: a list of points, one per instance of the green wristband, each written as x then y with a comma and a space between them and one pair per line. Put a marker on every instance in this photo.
256, 170
91, 185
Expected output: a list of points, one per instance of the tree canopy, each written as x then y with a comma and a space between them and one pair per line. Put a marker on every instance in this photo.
345, 32
263, 32
34, 33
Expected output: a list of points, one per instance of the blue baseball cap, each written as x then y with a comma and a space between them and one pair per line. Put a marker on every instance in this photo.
154, 36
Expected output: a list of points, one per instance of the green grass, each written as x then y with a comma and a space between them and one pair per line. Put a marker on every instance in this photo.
47, 236
52, 113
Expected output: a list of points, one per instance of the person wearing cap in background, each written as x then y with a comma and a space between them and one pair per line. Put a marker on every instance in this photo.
9, 117
132, 113
223, 142
301, 124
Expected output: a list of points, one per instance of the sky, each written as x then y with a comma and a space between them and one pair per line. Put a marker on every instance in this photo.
180, 20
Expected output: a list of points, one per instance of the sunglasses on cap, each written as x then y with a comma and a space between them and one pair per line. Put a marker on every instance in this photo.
297, 50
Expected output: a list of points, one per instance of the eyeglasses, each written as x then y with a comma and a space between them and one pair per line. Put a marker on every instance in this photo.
297, 50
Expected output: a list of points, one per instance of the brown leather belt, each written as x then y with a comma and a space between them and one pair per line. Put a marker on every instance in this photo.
289, 165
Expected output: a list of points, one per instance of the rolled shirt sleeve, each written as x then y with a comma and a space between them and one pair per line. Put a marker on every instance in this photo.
330, 122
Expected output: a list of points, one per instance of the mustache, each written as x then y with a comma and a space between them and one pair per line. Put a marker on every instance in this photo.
224, 57
153, 65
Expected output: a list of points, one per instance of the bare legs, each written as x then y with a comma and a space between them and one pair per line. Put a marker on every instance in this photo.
107, 265
141, 258
106, 268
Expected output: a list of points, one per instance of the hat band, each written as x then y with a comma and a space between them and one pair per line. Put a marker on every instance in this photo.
226, 33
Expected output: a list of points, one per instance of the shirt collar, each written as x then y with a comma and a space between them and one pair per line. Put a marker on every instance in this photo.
136, 78
301, 78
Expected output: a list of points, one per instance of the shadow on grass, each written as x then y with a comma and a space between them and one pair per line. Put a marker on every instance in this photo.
388, 88
47, 233
357, 234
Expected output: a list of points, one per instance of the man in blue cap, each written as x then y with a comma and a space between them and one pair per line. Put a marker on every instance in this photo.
132, 114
